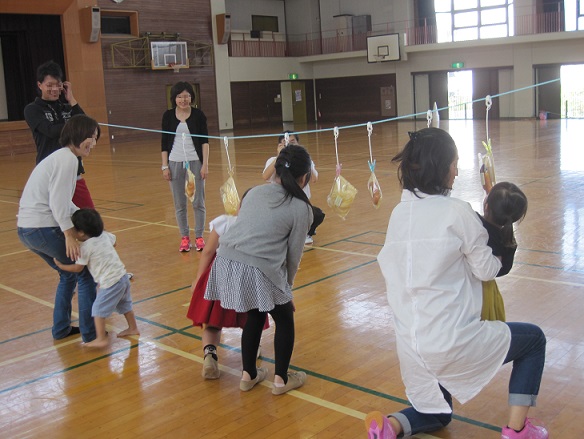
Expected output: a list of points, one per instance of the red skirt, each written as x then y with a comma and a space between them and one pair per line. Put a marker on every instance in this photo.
82, 197
210, 312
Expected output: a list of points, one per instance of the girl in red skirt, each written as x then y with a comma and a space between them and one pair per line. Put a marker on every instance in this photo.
208, 313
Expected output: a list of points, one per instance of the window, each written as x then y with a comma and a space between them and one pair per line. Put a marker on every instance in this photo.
264, 23
119, 23
574, 10
462, 20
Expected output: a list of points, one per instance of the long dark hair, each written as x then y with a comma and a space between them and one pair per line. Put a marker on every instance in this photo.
424, 163
507, 204
293, 162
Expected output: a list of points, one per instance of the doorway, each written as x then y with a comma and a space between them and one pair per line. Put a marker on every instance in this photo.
460, 94
572, 91
299, 103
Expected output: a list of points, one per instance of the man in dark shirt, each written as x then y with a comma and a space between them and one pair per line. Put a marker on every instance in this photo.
46, 117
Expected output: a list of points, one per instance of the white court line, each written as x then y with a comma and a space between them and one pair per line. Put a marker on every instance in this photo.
549, 281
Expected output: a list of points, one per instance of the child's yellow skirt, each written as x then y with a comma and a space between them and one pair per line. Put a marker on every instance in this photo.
493, 305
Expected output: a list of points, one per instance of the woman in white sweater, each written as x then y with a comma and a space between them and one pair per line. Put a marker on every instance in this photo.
45, 227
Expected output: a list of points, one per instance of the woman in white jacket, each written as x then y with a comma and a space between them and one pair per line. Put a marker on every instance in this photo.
433, 261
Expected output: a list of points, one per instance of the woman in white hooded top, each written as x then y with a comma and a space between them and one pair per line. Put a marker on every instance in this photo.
433, 261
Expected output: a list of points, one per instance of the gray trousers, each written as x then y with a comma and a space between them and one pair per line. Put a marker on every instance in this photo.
178, 175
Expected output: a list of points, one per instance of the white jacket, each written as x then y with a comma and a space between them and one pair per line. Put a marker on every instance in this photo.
433, 261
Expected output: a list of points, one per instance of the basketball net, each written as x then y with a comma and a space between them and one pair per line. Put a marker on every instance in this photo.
174, 67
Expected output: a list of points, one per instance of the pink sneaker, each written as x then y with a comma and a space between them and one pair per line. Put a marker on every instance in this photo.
378, 426
185, 244
199, 243
529, 431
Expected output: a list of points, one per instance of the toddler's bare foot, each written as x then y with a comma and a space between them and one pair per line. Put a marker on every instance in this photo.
97, 343
129, 331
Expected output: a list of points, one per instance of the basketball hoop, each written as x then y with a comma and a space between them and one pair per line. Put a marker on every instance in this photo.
174, 67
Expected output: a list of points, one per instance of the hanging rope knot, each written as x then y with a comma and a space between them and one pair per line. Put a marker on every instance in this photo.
429, 117
488, 102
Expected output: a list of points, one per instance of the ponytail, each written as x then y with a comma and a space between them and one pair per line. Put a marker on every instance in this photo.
292, 163
507, 205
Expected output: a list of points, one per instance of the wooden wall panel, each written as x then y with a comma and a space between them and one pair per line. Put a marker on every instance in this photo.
356, 99
137, 97
253, 104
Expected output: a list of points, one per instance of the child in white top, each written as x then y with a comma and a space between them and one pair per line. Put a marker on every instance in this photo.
269, 175
102, 260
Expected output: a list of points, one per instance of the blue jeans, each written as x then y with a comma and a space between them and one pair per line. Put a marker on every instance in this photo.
527, 352
49, 243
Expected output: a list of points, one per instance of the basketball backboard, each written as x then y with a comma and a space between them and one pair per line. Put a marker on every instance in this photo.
382, 48
169, 54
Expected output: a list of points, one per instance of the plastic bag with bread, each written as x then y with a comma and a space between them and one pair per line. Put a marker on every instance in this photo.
374, 190
342, 195
190, 185
229, 196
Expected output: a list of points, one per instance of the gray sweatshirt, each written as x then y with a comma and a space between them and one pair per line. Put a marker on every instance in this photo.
269, 233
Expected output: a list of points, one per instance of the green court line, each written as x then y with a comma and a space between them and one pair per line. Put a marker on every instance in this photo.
182, 331
173, 331
67, 369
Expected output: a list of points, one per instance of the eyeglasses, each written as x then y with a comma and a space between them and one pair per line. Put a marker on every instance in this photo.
53, 85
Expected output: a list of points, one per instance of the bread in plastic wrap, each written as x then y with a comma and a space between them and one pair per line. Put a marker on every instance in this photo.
374, 190
190, 185
341, 196
229, 196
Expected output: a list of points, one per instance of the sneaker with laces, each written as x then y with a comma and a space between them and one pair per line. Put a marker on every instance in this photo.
210, 368
308, 240
199, 243
185, 244
378, 426
295, 380
529, 431
246, 386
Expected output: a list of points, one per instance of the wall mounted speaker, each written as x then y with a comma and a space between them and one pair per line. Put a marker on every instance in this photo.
223, 22
90, 23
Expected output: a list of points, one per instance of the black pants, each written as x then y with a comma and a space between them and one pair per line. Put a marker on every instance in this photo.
317, 221
283, 316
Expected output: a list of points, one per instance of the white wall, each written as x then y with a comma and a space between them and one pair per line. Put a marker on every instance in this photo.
287, 110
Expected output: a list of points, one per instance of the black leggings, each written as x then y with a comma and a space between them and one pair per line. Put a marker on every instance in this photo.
283, 316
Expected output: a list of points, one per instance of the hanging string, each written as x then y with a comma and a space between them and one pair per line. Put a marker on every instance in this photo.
429, 117
371, 161
226, 142
336, 133
488, 103
286, 138
186, 162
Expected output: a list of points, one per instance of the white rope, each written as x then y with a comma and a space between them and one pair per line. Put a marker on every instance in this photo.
371, 161
226, 142
488, 103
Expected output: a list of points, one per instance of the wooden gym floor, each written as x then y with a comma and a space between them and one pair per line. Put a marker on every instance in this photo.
151, 386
